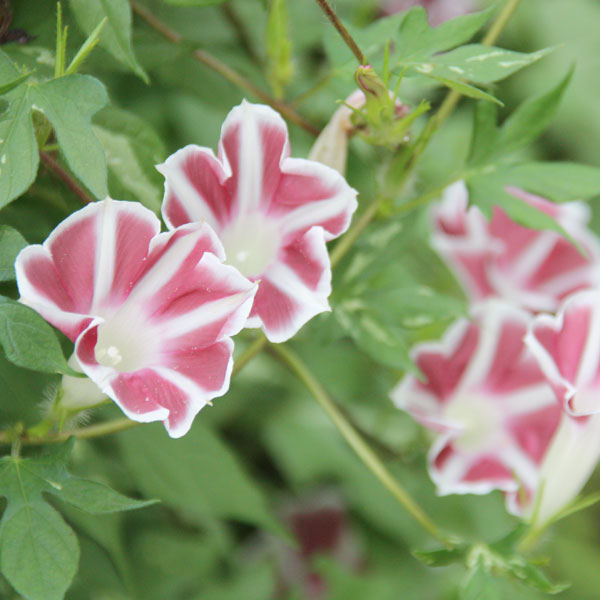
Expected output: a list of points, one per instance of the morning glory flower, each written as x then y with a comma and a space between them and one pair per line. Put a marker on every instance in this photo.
485, 397
273, 214
532, 269
150, 313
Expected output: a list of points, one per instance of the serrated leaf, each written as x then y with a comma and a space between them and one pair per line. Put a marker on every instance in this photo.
38, 550
116, 35
28, 341
19, 157
69, 103
132, 149
463, 88
558, 181
197, 474
11, 243
482, 64
531, 118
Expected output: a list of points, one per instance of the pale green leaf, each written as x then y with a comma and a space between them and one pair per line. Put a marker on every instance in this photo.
480, 585
193, 2
116, 34
460, 86
69, 103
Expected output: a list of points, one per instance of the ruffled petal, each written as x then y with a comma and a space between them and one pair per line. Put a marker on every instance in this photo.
295, 289
194, 188
254, 141
567, 349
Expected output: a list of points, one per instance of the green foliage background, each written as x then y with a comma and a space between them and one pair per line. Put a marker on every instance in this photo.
267, 442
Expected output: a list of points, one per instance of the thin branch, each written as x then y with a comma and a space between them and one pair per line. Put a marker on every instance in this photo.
357, 443
53, 165
251, 351
362, 60
225, 71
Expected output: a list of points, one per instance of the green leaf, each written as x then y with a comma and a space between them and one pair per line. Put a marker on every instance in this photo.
197, 474
38, 551
11, 243
531, 118
116, 35
532, 576
442, 557
11, 85
558, 181
132, 149
482, 64
28, 341
487, 191
463, 88
19, 157
69, 103
480, 585
484, 140
416, 40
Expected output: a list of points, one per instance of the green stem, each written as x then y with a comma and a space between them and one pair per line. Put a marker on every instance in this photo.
251, 351
357, 443
335, 21
222, 69
52, 164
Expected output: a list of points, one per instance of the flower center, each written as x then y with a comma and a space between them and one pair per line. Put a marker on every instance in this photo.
479, 421
251, 244
124, 343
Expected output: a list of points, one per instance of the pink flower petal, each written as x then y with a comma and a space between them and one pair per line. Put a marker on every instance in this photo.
273, 214
194, 188
567, 348
489, 402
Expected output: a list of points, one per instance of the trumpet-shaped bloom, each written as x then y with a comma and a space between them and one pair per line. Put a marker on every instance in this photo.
273, 213
150, 313
532, 269
567, 348
488, 401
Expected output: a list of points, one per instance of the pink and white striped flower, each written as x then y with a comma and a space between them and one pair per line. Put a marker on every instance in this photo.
272, 212
532, 269
567, 348
488, 401
151, 314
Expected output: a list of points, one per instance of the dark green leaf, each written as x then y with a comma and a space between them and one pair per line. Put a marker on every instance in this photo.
531, 118
69, 103
116, 34
38, 551
11, 243
561, 182
482, 64
197, 474
28, 341
18, 149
